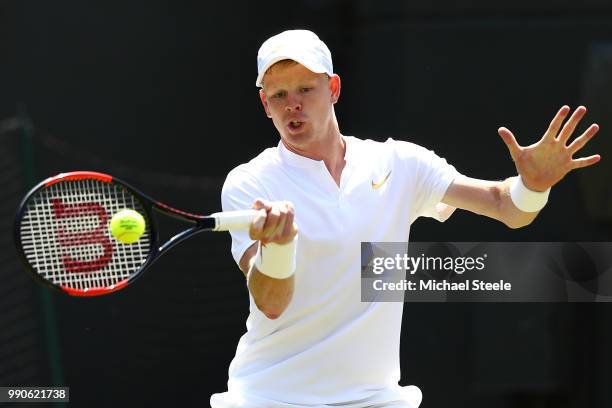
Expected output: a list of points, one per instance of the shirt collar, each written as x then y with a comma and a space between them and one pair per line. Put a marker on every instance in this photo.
297, 160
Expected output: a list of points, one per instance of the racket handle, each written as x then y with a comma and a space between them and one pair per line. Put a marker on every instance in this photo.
234, 220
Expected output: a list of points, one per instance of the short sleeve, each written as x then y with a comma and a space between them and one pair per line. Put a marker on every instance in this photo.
432, 176
239, 191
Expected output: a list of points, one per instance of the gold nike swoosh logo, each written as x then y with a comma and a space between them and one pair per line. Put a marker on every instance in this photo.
380, 183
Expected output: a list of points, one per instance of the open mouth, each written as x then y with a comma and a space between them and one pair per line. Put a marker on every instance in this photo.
295, 125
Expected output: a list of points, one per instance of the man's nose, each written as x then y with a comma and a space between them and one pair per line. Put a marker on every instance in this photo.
293, 104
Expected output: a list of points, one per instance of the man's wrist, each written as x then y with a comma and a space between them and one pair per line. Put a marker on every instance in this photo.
525, 199
276, 260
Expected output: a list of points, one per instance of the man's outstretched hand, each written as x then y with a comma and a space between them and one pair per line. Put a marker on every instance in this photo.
543, 164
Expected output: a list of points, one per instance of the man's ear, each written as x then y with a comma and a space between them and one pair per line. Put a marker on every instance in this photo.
264, 102
334, 87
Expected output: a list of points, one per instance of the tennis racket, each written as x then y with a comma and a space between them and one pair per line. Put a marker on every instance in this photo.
62, 235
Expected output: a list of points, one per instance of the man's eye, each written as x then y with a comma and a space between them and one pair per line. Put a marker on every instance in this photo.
306, 89
278, 95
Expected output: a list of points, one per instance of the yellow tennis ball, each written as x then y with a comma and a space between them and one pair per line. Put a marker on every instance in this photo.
127, 226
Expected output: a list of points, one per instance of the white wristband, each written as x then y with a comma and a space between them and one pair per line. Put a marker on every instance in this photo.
525, 199
275, 260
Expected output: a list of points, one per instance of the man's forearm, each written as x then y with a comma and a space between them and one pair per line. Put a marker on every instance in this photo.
272, 296
489, 198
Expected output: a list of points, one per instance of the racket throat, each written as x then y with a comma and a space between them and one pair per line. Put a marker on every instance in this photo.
177, 239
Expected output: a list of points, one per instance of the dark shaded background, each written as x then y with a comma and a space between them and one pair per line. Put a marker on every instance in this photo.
162, 94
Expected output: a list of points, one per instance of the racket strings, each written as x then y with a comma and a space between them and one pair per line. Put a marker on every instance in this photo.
64, 235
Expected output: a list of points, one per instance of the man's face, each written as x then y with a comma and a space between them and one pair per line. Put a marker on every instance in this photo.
299, 102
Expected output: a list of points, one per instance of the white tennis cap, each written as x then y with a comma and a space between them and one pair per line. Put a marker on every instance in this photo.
302, 46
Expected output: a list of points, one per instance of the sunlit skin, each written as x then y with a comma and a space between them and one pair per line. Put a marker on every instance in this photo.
544, 163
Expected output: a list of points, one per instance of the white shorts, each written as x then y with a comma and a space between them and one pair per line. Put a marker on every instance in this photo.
397, 397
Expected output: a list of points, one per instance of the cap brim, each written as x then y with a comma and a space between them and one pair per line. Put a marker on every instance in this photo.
316, 68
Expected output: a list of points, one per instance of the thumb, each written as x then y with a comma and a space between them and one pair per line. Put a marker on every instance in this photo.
260, 219
510, 142
257, 225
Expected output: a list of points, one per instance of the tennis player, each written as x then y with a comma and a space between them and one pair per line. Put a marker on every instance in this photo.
310, 341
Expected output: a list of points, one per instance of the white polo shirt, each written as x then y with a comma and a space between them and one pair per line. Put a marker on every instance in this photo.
328, 347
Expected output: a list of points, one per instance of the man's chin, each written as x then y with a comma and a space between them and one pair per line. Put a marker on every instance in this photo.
296, 143
296, 139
